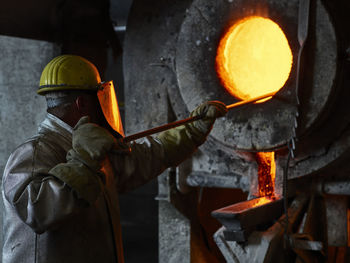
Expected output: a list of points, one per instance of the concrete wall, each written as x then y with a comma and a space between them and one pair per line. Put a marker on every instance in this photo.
21, 63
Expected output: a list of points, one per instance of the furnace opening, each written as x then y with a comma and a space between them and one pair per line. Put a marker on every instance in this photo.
253, 58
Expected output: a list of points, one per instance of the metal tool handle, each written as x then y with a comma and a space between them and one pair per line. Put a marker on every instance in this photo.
168, 126
165, 127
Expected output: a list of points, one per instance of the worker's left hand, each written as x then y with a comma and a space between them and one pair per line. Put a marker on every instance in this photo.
210, 111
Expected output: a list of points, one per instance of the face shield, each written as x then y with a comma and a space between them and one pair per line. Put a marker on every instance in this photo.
109, 105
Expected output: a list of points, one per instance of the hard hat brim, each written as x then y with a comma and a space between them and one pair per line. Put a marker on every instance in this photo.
49, 88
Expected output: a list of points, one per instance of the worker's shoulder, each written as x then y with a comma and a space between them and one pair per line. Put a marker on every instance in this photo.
36, 149
42, 142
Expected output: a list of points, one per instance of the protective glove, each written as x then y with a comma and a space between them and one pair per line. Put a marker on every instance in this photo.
200, 129
84, 179
91, 139
180, 142
82, 171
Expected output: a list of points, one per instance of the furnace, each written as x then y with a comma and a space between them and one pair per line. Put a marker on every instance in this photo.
179, 55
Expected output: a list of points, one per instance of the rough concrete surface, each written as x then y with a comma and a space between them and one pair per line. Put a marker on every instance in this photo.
21, 63
174, 235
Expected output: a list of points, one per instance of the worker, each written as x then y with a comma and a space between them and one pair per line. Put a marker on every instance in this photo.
60, 188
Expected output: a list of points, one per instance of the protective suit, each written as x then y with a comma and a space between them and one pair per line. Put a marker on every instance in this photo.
60, 188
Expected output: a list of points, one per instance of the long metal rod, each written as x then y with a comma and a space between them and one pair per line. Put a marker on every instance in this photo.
168, 126
244, 102
165, 127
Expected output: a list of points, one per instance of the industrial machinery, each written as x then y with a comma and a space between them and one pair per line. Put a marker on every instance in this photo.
285, 158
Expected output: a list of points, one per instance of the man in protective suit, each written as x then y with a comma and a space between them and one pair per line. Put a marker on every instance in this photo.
60, 188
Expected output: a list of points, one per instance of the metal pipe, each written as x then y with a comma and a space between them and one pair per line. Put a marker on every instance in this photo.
168, 126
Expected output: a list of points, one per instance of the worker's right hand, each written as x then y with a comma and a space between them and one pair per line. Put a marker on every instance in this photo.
82, 171
95, 140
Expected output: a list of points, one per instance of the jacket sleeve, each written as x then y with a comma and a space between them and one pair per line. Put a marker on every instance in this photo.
41, 200
151, 157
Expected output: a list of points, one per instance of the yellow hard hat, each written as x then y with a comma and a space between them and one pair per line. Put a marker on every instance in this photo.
69, 72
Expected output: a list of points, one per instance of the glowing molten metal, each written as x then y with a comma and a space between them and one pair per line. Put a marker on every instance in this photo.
253, 58
266, 173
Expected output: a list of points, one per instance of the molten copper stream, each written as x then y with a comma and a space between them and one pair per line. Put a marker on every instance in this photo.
266, 173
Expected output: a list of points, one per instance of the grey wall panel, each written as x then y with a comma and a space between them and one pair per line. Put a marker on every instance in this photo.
21, 63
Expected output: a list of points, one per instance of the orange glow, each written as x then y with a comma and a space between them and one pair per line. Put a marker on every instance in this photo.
117, 121
262, 201
109, 104
253, 58
246, 205
266, 173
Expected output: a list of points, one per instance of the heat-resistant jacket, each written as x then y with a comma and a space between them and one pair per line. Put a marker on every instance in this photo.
45, 221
